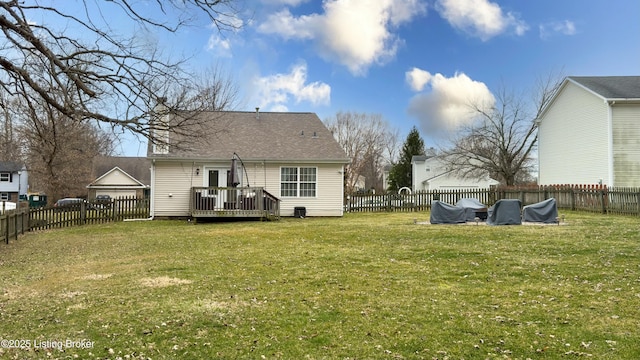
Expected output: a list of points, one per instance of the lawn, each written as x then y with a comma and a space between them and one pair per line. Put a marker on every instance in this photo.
365, 286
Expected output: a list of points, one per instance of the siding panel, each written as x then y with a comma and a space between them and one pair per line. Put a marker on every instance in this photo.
173, 187
626, 145
573, 143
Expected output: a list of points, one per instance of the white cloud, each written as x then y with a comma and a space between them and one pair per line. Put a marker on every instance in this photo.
354, 33
565, 27
417, 78
446, 105
221, 47
481, 18
274, 92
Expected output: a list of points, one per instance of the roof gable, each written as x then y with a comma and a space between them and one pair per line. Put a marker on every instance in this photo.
268, 136
118, 178
610, 87
136, 167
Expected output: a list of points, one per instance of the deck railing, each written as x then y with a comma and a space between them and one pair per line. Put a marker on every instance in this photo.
234, 202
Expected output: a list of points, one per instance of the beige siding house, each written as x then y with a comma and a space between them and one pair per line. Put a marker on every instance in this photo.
589, 133
291, 156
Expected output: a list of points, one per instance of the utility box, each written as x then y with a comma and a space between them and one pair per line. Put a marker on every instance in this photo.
300, 211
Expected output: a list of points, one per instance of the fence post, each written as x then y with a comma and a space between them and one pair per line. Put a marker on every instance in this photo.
6, 226
15, 227
83, 213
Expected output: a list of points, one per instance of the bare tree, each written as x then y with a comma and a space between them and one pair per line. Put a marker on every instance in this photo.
502, 141
365, 138
10, 145
60, 153
214, 90
59, 149
112, 79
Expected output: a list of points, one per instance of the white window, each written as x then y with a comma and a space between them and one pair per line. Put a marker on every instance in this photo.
298, 181
5, 176
4, 196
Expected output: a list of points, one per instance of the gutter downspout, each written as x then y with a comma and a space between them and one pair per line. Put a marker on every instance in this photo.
610, 171
152, 194
538, 121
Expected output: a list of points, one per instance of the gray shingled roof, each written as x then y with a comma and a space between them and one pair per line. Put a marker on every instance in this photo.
611, 87
269, 136
10, 166
137, 167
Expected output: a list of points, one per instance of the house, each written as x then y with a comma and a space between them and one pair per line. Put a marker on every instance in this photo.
120, 177
284, 162
588, 134
14, 181
429, 172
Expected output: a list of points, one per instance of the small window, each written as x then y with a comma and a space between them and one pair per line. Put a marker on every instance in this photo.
4, 197
5, 176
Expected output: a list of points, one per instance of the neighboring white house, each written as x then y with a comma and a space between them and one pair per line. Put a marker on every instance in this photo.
293, 156
14, 180
120, 177
590, 131
428, 173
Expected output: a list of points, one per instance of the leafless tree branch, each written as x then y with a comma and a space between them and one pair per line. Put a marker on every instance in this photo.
114, 80
501, 142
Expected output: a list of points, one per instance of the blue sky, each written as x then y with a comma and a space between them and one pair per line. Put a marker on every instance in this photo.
415, 62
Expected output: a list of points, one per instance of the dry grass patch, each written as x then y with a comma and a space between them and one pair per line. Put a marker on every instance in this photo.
96, 276
163, 281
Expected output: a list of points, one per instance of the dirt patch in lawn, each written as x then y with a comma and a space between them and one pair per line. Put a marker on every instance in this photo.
97, 276
163, 281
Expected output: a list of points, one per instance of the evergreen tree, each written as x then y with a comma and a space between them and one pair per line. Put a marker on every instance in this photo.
400, 173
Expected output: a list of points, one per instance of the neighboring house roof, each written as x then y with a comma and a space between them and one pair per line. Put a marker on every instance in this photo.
608, 88
135, 167
125, 180
429, 153
11, 166
611, 87
267, 136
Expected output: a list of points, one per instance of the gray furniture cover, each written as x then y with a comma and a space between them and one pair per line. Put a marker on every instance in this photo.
543, 212
443, 213
505, 212
470, 207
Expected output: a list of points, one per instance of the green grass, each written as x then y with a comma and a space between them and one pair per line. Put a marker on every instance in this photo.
363, 286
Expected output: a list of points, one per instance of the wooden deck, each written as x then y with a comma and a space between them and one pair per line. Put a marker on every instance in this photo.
245, 202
